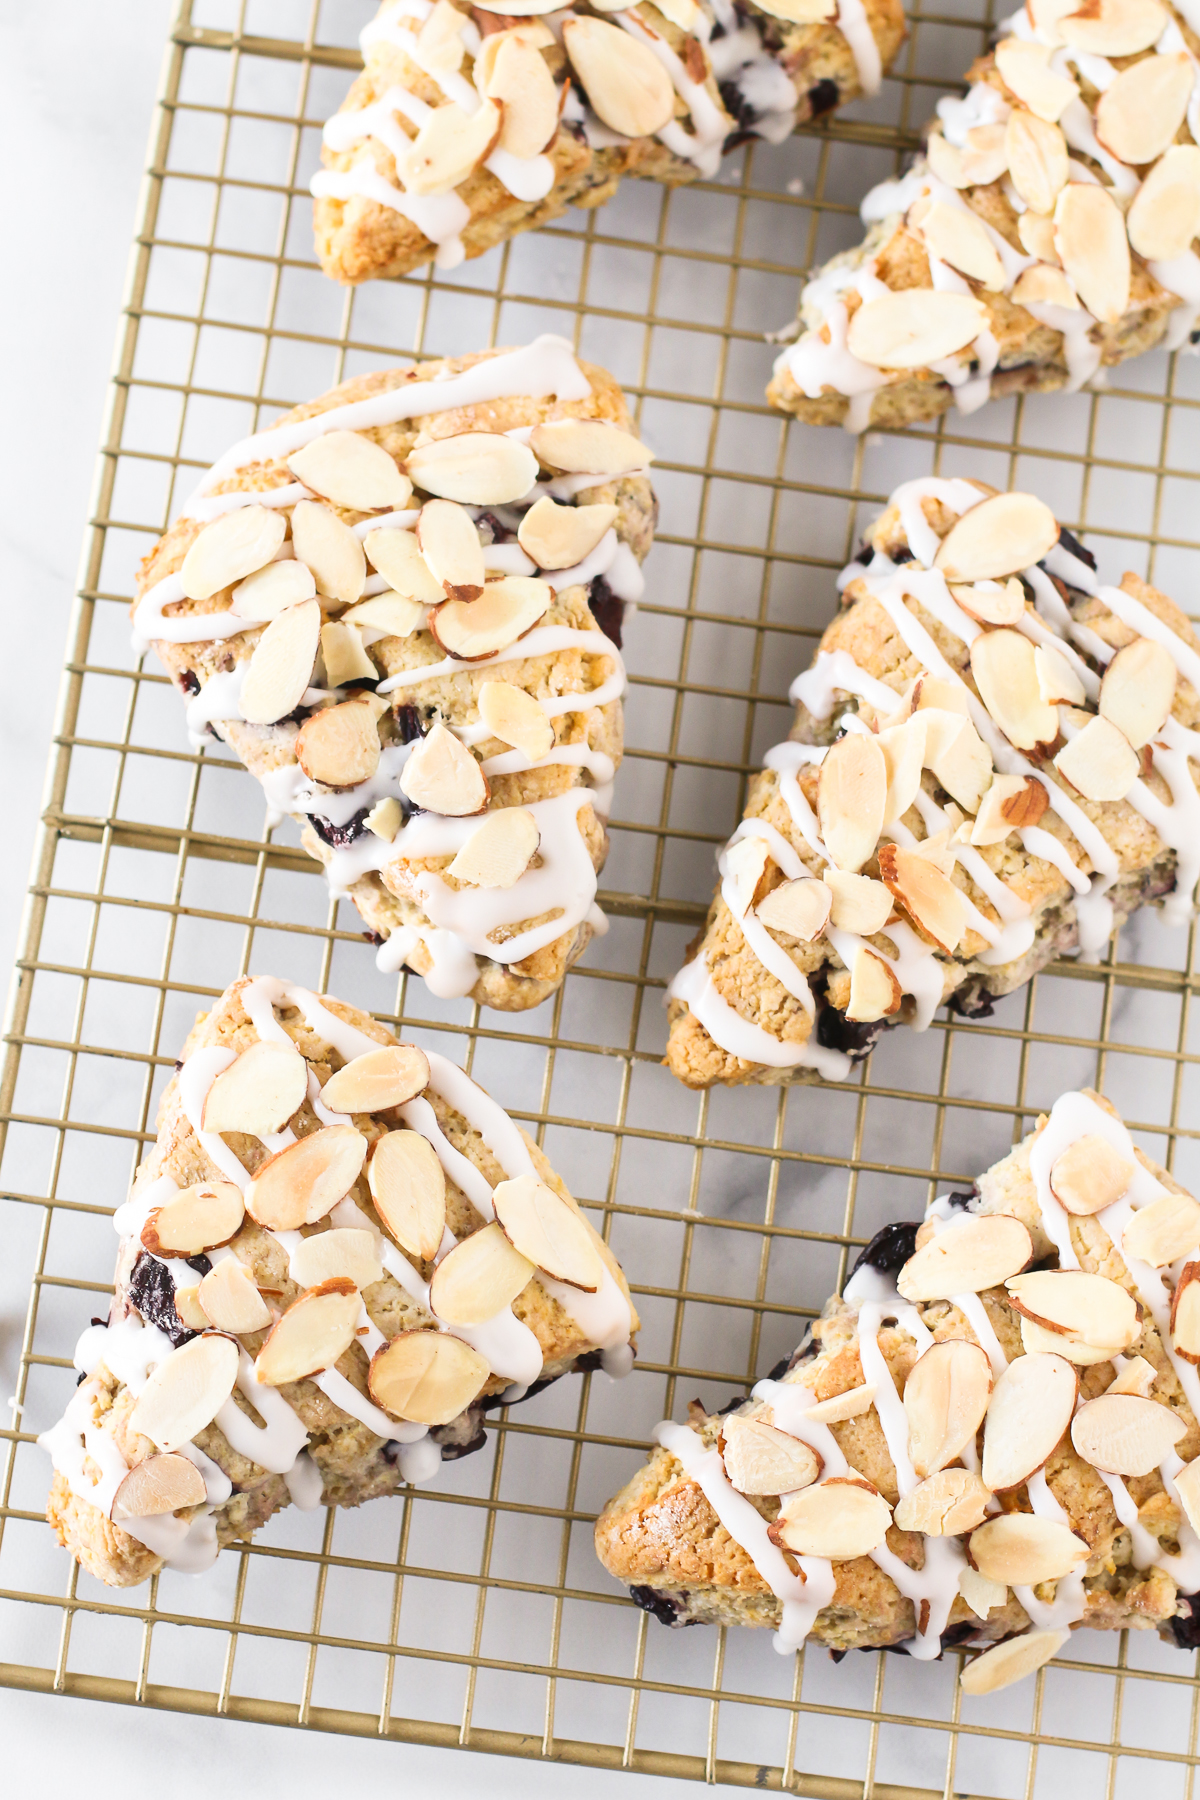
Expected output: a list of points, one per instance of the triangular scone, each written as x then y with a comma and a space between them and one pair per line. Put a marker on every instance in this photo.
991, 1434
1046, 232
341, 637
994, 762
322, 1285
466, 127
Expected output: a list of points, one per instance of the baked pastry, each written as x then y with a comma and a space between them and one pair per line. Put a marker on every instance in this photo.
994, 762
401, 606
469, 125
990, 1440
227, 1381
1046, 232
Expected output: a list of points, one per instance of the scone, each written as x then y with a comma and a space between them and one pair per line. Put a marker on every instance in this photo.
1046, 233
401, 606
443, 1269
468, 126
990, 1440
994, 762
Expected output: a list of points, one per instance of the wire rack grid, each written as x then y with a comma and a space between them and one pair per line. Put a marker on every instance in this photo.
473, 1613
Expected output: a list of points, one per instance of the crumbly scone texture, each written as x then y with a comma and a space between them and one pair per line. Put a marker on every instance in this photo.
354, 1462
359, 239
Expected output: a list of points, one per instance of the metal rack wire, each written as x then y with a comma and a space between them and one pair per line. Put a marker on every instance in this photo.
474, 1613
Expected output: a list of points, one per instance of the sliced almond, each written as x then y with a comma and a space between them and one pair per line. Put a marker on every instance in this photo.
299, 1185
800, 908
346, 1253
377, 1080
626, 84
1099, 762
1164, 1231
385, 819
314, 1331
1006, 676
233, 546
957, 756
1037, 239
520, 80
448, 147
1029, 1411
1013, 1660
259, 1092
1137, 690
538, 37
1038, 161
903, 748
440, 46
1037, 1339
946, 161
945, 1399
980, 1595
558, 537
197, 1219
188, 1309
160, 1484
408, 1186
744, 863
1023, 1549
499, 851
851, 795
1185, 1313
850, 1405
971, 1253
914, 327
839, 1519
339, 746
941, 696
397, 556
282, 664
874, 991
992, 602
546, 1231
1165, 214
950, 1502
859, 904
352, 471
479, 1278
1012, 801
516, 718
1025, 69
1138, 115
269, 591
929, 898
186, 1391
1057, 680
1044, 286
442, 776
959, 238
1080, 1305
984, 159
761, 1460
1137, 1377
1089, 235
393, 614
344, 655
1114, 27
426, 1376
1001, 536
1125, 1435
1187, 1486
230, 1300
1090, 1174
330, 549
449, 544
476, 468
588, 446
508, 609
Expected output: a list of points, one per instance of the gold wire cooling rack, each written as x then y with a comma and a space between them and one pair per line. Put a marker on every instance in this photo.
474, 1613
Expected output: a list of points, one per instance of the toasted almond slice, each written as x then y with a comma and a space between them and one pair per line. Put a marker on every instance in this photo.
1137, 690
1099, 762
339, 746
991, 602
449, 544
1079, 1305
230, 1300
346, 1253
540, 1225
393, 614
1025, 68
186, 1391
914, 327
233, 546
958, 756
558, 537
442, 776
268, 591
1164, 1231
448, 146
850, 1405
627, 85
971, 1253
299, 1185
258, 1092
588, 446
352, 471
1185, 1313
1006, 676
499, 851
282, 664
1036, 1338
1038, 161
984, 158
1057, 680
476, 468
397, 557
196, 1219
858, 903
980, 1595
1011, 1661
479, 1278
439, 42
1090, 1174
1023, 1549
1165, 214
330, 549
744, 862
1037, 239
959, 238
507, 610
950, 1502
1009, 803
1138, 115
941, 696
946, 161
1187, 1486
798, 12
160, 1484
903, 748
378, 1079
929, 898
1089, 235
1030, 1409
1125, 1435
874, 991
408, 1186
1001, 536
1137, 1377
1045, 286
426, 1376
314, 1331
516, 718
1026, 806
385, 819
188, 1309
800, 908
841, 1518
520, 80
344, 655
851, 796
535, 35
1114, 27
945, 1399
761, 1460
